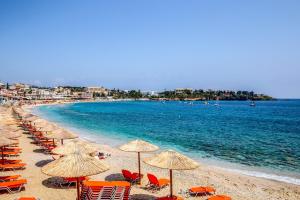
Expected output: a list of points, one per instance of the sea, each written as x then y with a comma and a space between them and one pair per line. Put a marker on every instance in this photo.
261, 140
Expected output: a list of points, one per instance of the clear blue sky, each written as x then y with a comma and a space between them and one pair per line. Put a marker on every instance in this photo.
153, 44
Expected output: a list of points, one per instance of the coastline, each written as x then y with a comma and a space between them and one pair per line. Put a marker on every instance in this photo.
236, 185
220, 174
102, 138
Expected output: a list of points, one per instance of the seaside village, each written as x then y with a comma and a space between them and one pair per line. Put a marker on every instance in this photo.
19, 91
41, 160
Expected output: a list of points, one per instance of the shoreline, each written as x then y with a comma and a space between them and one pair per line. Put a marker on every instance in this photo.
236, 168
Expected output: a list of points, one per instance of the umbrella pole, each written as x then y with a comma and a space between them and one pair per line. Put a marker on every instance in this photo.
78, 192
62, 141
53, 142
171, 183
2, 150
139, 163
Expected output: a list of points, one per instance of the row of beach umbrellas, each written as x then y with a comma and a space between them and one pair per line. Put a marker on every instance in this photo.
169, 159
76, 160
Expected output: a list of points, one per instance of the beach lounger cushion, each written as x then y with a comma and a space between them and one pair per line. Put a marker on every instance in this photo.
219, 197
201, 190
13, 186
9, 178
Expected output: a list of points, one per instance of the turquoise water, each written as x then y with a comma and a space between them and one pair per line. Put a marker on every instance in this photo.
263, 137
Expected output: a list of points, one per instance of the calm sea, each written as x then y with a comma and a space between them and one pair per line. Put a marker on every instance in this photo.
261, 141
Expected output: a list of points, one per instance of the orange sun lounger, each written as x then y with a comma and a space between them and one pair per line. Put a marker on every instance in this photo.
12, 166
201, 190
27, 198
219, 197
9, 178
12, 149
169, 198
11, 153
9, 161
105, 190
13, 186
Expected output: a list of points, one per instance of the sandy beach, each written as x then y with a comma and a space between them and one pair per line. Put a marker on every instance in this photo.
239, 187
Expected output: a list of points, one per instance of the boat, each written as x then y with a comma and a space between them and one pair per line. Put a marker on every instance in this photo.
252, 104
217, 102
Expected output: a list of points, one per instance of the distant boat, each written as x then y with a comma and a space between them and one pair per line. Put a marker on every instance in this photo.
217, 103
206, 102
252, 103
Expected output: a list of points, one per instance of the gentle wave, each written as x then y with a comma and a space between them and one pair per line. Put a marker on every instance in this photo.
275, 177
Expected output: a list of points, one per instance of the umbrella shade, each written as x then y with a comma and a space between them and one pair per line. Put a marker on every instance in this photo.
75, 165
74, 146
139, 146
171, 160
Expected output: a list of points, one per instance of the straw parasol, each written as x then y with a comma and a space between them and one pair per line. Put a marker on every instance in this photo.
39, 124
139, 146
9, 134
9, 128
73, 146
4, 142
48, 127
39, 120
75, 165
171, 160
31, 118
61, 134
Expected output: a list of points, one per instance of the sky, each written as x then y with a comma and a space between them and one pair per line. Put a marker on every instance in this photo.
153, 44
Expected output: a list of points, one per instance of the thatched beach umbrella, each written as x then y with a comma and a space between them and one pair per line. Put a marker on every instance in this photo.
173, 161
41, 124
10, 134
75, 165
4, 142
39, 121
9, 128
139, 146
25, 115
8, 122
61, 134
48, 127
31, 118
74, 146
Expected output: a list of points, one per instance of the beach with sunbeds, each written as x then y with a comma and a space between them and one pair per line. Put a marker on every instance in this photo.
36, 165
